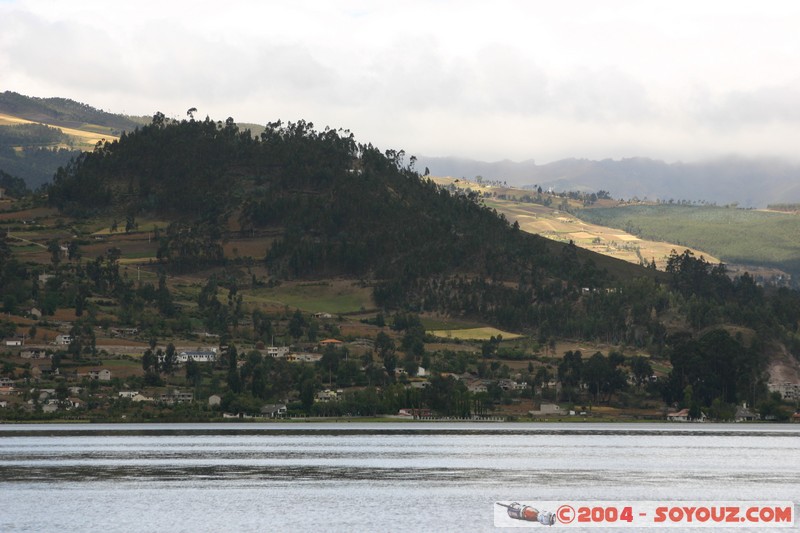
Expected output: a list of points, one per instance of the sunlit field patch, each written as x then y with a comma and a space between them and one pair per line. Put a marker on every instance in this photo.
476, 334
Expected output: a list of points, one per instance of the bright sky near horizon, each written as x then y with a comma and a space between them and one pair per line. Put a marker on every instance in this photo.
516, 79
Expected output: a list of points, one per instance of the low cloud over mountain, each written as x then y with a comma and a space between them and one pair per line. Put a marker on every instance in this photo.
748, 182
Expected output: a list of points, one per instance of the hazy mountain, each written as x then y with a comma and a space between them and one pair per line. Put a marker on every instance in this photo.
65, 112
748, 182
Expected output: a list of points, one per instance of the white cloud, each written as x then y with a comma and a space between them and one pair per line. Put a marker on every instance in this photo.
500, 79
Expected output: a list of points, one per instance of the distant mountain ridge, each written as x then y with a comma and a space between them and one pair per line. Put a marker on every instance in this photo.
65, 112
32, 143
748, 182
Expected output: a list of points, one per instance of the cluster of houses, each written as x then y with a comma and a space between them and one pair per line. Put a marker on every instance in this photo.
743, 414
47, 400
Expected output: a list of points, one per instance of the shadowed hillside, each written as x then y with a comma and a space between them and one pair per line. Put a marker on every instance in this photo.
67, 113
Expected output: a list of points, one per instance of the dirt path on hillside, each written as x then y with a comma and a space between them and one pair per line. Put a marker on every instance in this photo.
784, 368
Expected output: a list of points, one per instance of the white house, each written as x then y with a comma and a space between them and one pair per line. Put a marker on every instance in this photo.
788, 391
129, 394
278, 351
177, 396
679, 416
197, 356
63, 340
13, 342
683, 416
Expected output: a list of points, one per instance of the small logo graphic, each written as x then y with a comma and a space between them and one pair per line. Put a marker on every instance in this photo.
565, 514
641, 514
529, 514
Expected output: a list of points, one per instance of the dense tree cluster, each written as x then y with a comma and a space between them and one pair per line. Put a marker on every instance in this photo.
32, 165
15, 284
13, 186
30, 135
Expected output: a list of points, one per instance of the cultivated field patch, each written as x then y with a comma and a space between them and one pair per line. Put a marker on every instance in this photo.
475, 334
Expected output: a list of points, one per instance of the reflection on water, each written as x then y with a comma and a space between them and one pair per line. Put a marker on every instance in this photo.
366, 477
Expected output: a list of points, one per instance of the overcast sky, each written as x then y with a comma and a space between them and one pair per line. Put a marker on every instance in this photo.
491, 80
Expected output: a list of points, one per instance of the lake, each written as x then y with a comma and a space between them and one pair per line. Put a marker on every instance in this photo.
369, 476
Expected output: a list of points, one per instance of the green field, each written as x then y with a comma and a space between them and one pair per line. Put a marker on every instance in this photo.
742, 236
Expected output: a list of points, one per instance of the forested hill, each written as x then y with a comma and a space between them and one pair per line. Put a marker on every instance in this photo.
326, 205
341, 208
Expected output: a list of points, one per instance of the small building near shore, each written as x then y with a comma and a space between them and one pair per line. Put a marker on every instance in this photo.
679, 416
683, 416
743, 414
277, 410
547, 409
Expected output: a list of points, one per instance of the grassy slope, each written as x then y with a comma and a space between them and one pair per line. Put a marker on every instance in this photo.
84, 137
563, 227
735, 235
332, 296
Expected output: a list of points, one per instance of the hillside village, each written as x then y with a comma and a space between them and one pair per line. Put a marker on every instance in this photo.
281, 300
40, 383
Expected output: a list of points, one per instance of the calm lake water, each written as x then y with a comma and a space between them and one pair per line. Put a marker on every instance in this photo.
369, 477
